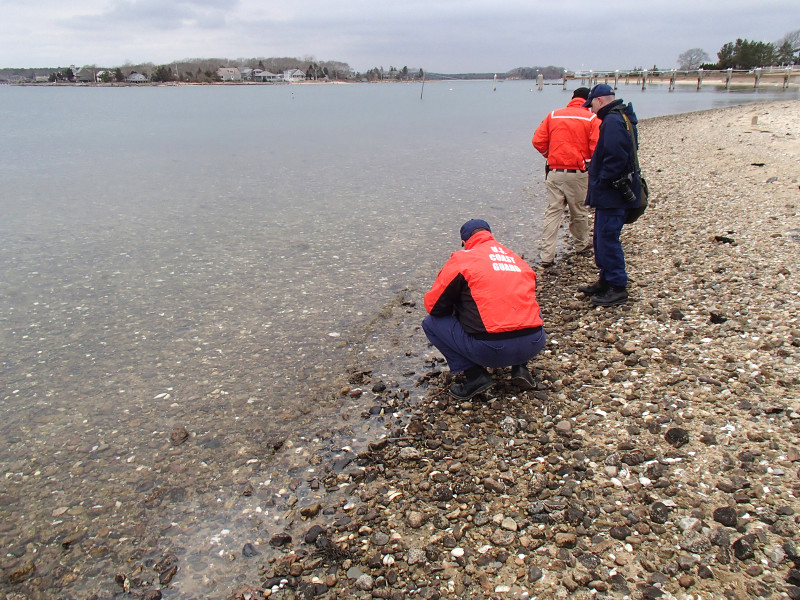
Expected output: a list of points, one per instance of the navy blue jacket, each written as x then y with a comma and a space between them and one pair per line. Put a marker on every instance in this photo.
613, 158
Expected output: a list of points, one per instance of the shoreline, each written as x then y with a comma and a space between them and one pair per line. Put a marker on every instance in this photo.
659, 454
389, 497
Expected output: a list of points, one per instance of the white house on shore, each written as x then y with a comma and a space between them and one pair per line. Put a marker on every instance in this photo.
294, 75
266, 76
229, 74
136, 78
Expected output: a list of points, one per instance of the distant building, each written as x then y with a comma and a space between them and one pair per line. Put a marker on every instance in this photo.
266, 76
136, 78
229, 74
294, 75
85, 75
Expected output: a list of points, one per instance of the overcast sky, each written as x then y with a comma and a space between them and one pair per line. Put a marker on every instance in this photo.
445, 36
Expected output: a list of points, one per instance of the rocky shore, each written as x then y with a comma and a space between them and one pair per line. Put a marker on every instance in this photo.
658, 456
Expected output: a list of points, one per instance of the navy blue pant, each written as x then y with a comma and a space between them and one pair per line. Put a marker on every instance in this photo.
608, 254
462, 351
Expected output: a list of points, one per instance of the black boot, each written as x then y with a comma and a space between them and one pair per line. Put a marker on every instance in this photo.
612, 296
600, 286
477, 380
521, 377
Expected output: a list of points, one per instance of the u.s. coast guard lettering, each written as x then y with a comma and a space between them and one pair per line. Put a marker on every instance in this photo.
502, 261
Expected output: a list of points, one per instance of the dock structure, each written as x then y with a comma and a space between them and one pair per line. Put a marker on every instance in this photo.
785, 76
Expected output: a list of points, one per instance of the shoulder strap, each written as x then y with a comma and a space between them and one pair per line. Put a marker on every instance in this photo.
629, 126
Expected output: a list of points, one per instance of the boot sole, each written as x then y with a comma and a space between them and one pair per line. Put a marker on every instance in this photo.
480, 390
615, 303
522, 383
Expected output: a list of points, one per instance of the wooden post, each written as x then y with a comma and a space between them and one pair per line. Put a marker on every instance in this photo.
616, 78
699, 78
786, 77
672, 77
728, 78
644, 80
495, 83
564, 81
758, 77
540, 81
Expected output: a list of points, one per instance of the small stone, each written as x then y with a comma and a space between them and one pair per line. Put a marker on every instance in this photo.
726, 515
410, 453
308, 512
704, 572
365, 583
677, 437
248, 551
280, 539
619, 532
534, 574
566, 540
416, 519
178, 435
686, 581
659, 513
509, 523
744, 547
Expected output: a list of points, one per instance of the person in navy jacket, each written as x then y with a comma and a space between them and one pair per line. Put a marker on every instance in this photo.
614, 189
483, 312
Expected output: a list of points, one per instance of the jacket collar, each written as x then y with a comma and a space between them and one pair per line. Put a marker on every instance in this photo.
603, 112
478, 238
576, 103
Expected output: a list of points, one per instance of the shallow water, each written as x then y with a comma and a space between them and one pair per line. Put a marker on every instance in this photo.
215, 258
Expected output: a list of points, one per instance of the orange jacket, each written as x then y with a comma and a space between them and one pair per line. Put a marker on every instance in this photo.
491, 290
567, 136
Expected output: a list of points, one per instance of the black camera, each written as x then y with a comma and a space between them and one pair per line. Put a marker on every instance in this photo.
623, 186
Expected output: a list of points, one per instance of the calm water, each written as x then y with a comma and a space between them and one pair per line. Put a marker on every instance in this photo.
208, 257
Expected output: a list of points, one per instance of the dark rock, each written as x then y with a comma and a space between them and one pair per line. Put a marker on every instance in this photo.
726, 515
744, 548
534, 574
651, 592
659, 513
152, 595
704, 572
717, 318
280, 539
677, 437
793, 577
676, 315
312, 534
248, 551
619, 532
619, 584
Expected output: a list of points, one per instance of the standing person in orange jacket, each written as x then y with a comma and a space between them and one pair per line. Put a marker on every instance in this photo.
566, 138
483, 312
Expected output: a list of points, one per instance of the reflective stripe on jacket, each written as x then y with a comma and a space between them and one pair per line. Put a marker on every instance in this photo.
491, 290
567, 136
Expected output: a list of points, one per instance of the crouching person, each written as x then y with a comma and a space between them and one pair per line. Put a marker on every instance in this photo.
482, 312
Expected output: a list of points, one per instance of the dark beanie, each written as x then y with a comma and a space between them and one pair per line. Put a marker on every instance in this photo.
581, 92
471, 226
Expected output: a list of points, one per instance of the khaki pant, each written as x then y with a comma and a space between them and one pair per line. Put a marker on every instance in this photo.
565, 190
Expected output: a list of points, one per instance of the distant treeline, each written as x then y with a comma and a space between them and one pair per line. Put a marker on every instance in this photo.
204, 70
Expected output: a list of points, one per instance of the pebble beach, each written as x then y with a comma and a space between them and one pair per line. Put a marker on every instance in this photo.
657, 457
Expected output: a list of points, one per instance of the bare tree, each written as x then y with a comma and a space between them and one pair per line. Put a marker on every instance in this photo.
692, 59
